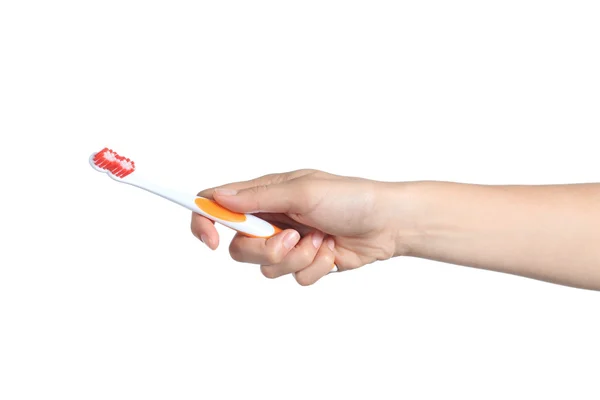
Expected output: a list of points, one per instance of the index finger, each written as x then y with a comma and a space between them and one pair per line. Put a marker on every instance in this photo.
264, 180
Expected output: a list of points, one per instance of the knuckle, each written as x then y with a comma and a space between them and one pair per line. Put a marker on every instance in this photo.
308, 171
273, 256
304, 280
235, 251
259, 188
258, 181
348, 265
256, 193
264, 180
280, 178
329, 259
305, 256
268, 272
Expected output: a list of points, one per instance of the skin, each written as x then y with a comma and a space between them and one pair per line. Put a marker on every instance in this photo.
549, 233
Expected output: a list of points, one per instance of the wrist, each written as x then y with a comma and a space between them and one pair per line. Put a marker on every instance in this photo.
405, 205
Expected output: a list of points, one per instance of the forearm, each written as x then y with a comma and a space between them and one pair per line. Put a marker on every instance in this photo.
550, 233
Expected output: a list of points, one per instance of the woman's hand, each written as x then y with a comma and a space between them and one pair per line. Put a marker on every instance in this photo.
325, 218
546, 232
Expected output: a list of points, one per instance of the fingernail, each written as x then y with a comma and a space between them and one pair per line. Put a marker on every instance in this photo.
317, 239
291, 239
331, 244
204, 239
226, 192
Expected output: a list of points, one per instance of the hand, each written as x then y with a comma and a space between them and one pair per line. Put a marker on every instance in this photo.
325, 218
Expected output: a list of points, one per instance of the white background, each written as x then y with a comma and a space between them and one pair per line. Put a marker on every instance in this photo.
105, 294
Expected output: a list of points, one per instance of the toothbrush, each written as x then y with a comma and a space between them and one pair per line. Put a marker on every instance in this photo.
123, 170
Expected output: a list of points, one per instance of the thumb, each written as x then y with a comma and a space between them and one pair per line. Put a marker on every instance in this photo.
277, 198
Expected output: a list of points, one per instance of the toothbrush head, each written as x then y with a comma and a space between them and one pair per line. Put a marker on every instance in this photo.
110, 162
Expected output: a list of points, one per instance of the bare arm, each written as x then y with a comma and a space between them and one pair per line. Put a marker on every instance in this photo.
551, 233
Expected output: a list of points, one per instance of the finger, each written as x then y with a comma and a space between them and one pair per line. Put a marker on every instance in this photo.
287, 197
263, 251
264, 180
204, 229
300, 257
321, 266
285, 222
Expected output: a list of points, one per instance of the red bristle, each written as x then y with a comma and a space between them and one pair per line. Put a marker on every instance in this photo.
112, 162
99, 156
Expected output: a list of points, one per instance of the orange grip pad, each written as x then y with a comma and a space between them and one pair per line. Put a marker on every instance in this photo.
218, 211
